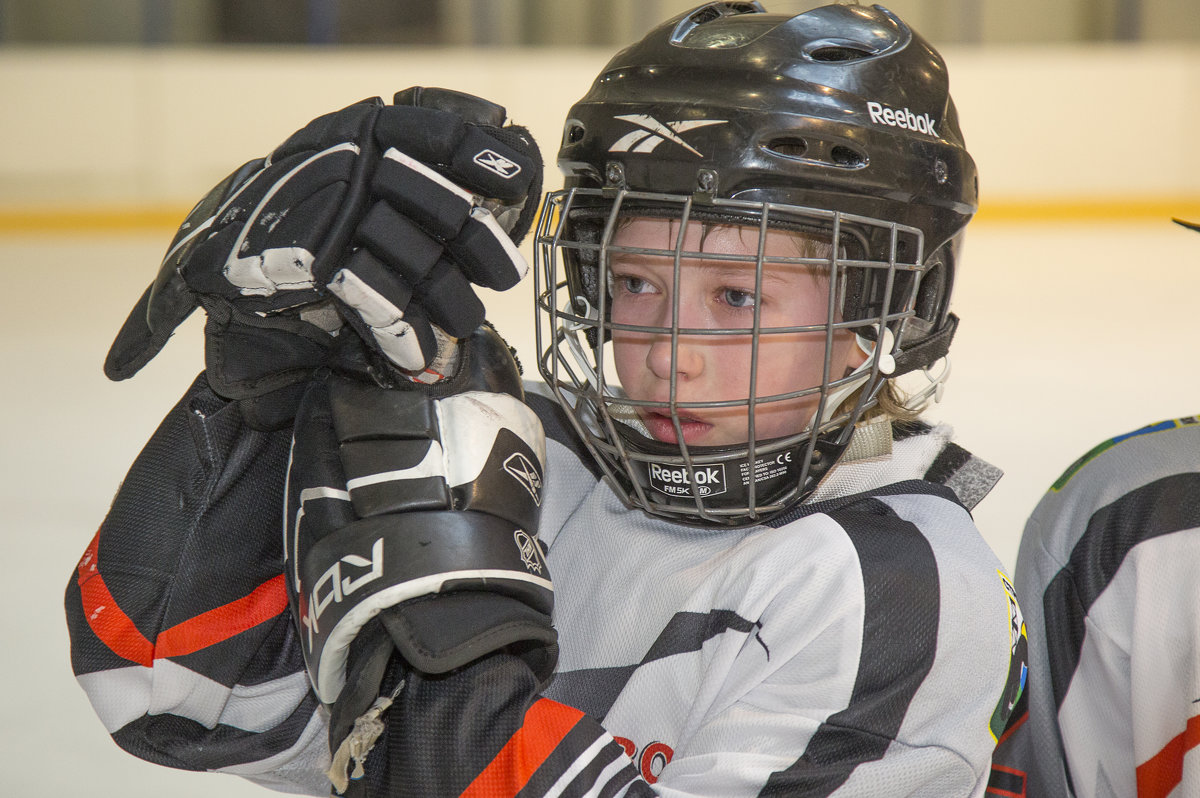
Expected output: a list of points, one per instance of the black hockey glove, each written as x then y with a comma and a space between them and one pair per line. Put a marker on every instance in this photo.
379, 215
432, 232
412, 530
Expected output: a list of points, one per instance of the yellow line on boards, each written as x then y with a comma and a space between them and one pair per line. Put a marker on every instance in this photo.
152, 218
106, 219
1090, 210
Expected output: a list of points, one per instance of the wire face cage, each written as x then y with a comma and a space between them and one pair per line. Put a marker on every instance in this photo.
715, 354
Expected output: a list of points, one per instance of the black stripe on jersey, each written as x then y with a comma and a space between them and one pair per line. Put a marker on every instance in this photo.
627, 777
558, 428
920, 487
900, 625
185, 744
1159, 508
593, 690
565, 754
586, 781
688, 631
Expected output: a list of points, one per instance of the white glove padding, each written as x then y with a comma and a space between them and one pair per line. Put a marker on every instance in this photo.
421, 503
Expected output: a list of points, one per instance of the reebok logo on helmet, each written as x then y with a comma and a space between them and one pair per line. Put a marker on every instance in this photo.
904, 118
652, 133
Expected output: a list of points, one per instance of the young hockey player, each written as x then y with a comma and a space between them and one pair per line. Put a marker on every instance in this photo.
1106, 575
766, 580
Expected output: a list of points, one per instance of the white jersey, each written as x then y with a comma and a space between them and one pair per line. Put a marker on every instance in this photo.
865, 644
861, 646
1106, 575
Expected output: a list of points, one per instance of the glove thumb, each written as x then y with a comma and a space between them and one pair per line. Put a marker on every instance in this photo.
168, 300
160, 310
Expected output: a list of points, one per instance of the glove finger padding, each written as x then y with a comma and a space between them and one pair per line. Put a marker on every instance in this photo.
262, 245
418, 505
464, 138
452, 192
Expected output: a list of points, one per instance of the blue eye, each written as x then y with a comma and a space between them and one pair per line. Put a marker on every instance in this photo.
634, 285
739, 299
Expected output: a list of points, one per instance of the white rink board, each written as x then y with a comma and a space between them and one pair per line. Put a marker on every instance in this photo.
112, 125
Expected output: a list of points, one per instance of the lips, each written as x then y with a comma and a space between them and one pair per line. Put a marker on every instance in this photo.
661, 427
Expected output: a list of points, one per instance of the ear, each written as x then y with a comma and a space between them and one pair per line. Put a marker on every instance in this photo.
857, 355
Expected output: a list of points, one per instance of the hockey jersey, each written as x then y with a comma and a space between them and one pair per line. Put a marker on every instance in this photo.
1106, 576
867, 643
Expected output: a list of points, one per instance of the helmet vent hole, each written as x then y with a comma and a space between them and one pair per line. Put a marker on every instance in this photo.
717, 10
838, 53
710, 13
788, 147
845, 157
834, 51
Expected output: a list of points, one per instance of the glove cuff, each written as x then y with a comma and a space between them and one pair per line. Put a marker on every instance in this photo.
438, 634
376, 563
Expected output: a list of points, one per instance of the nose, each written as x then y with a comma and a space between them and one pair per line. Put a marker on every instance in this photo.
688, 360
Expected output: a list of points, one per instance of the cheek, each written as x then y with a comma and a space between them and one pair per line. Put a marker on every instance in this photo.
792, 361
628, 358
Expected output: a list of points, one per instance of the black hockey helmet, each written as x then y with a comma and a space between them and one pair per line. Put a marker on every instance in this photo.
839, 117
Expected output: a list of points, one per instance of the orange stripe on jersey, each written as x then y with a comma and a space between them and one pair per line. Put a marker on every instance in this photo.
264, 602
108, 622
545, 725
1161, 773
1012, 727
1016, 779
117, 631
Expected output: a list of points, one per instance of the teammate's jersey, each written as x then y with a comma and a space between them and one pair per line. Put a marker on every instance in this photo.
865, 644
1106, 575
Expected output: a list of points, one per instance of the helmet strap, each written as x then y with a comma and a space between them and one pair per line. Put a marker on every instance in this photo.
857, 378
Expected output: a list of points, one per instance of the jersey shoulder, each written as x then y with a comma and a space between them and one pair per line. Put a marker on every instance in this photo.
1147, 450
1121, 491
938, 608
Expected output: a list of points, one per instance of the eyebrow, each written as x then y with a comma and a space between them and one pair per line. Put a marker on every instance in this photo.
719, 269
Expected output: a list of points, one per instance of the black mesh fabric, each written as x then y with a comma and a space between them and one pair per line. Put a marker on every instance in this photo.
444, 730
194, 526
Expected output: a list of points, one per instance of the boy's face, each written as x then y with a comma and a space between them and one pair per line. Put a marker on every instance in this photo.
719, 294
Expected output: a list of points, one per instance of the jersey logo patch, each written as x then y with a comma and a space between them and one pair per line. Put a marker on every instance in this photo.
497, 163
652, 758
653, 133
1018, 665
